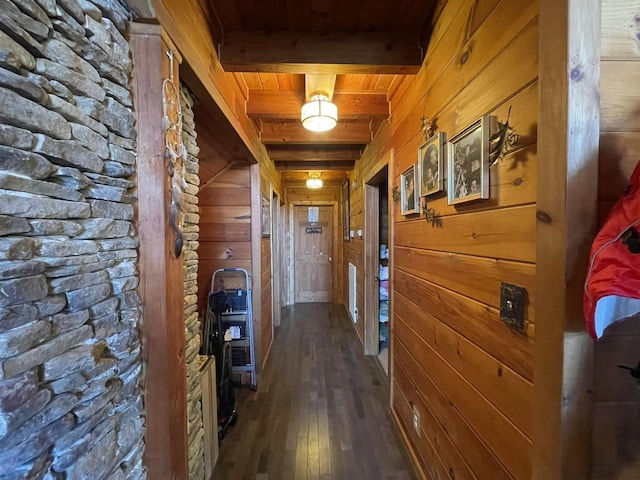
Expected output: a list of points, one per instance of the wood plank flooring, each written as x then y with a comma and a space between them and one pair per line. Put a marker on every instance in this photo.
320, 412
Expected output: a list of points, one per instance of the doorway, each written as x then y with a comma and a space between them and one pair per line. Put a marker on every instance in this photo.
313, 232
376, 328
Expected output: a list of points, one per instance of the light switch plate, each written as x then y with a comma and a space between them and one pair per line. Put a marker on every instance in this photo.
513, 300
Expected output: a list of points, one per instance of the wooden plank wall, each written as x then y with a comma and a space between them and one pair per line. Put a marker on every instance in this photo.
354, 248
616, 434
328, 194
225, 220
469, 376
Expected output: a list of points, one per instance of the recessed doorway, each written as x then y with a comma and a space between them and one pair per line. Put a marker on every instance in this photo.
377, 286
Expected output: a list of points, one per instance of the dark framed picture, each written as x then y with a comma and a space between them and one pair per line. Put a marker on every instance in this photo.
431, 165
468, 159
408, 191
346, 212
266, 216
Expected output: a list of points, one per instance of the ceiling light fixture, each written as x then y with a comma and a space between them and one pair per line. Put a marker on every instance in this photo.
314, 181
319, 115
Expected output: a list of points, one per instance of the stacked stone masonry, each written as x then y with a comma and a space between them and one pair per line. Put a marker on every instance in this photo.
70, 366
195, 429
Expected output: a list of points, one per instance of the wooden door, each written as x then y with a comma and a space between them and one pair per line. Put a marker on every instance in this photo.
313, 253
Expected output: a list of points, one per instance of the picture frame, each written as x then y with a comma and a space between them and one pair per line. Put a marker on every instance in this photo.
266, 216
468, 162
346, 211
431, 157
409, 200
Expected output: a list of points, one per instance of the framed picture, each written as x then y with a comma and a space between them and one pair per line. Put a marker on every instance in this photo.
431, 165
408, 191
346, 212
266, 216
468, 159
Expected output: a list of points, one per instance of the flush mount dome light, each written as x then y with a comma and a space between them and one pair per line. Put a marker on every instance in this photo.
319, 115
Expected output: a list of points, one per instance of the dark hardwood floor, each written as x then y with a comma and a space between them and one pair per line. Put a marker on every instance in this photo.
320, 412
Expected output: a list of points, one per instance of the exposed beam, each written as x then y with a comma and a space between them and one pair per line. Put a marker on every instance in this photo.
343, 133
286, 105
314, 154
302, 165
315, 84
320, 53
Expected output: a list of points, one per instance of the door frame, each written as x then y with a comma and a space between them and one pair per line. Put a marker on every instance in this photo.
337, 259
371, 256
276, 281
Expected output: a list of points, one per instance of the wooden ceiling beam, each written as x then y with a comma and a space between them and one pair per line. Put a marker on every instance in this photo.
286, 105
315, 84
314, 154
344, 133
320, 53
302, 165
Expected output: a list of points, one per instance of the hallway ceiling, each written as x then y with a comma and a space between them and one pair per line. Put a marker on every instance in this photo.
279, 51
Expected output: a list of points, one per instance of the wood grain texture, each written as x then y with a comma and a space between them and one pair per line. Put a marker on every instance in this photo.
316, 414
507, 390
569, 55
617, 159
474, 277
508, 443
353, 132
266, 307
161, 275
302, 52
487, 234
485, 330
620, 30
424, 448
225, 224
414, 383
481, 60
256, 264
286, 105
620, 111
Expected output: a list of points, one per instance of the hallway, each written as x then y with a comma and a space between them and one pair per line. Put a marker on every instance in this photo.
321, 409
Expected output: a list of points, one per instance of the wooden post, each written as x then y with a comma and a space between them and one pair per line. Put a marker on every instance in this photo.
161, 276
371, 269
568, 139
256, 264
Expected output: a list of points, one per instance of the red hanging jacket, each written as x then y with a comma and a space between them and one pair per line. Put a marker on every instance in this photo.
612, 287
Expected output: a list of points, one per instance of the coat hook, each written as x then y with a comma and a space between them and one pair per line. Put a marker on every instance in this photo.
635, 372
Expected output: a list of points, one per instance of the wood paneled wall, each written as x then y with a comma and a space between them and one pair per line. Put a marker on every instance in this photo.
616, 439
469, 376
354, 248
225, 221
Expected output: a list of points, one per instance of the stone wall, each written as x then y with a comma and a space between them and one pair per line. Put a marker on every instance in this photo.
70, 368
191, 230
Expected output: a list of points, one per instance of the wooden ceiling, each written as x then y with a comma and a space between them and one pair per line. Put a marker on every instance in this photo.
358, 51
